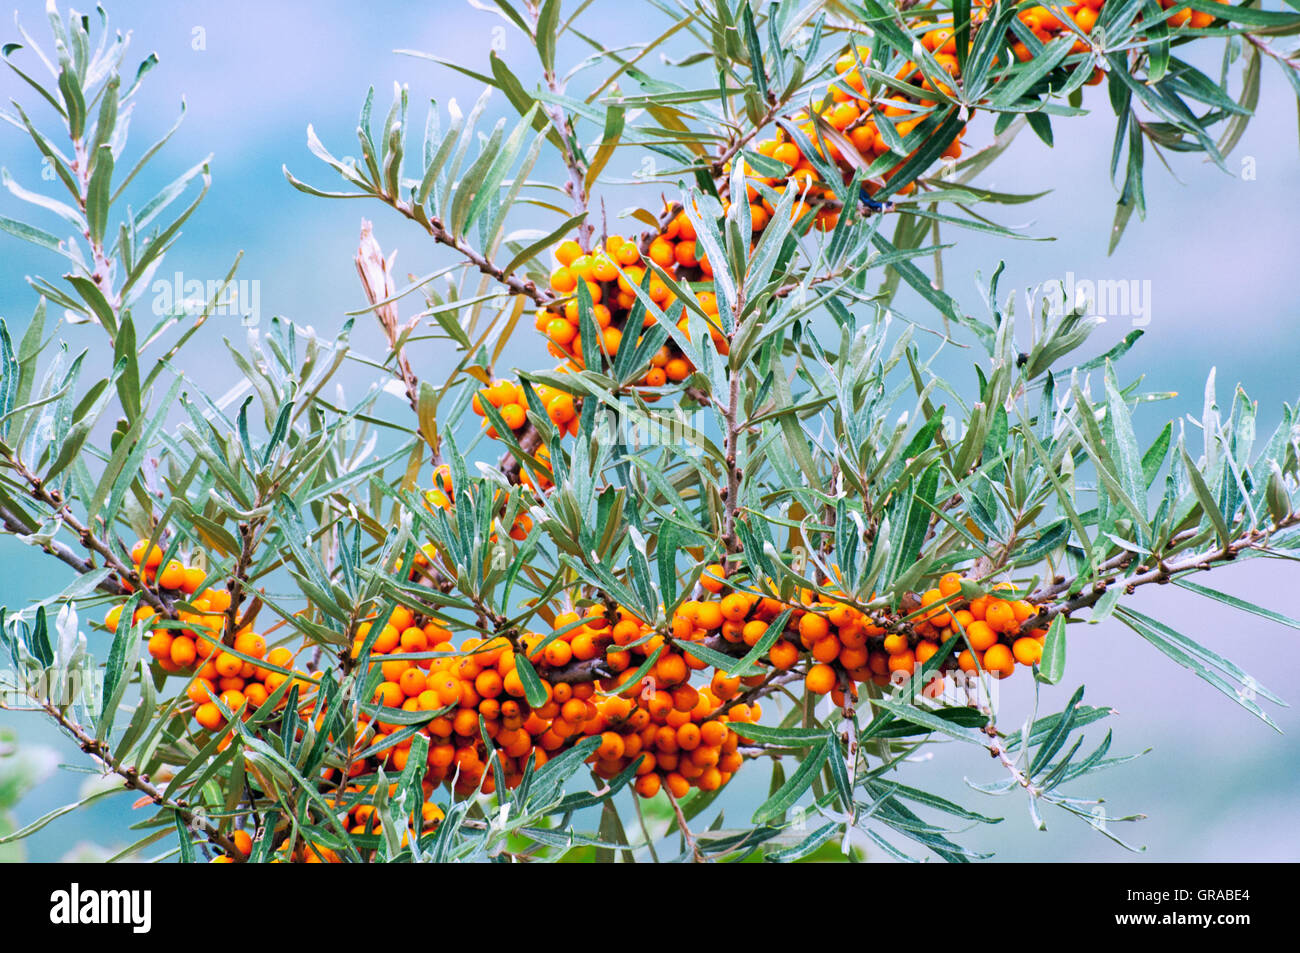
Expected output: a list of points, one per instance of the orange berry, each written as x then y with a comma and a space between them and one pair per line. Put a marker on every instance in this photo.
709, 615
950, 584
1000, 616
209, 716
813, 627
250, 643
183, 651
713, 578
172, 576
980, 635
788, 153
735, 606
827, 649
514, 415
558, 653
904, 661
229, 665
1027, 650
160, 645
563, 281
999, 662
783, 655
149, 561
820, 679
567, 252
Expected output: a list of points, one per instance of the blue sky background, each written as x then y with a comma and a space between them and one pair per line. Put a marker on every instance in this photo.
1217, 249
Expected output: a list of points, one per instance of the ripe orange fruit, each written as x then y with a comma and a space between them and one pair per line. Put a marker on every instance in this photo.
735, 606
820, 679
143, 560
1027, 650
714, 577
999, 662
813, 628
209, 716
981, 635
1000, 616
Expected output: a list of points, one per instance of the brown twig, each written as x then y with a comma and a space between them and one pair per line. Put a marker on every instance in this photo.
135, 781
54, 499
697, 856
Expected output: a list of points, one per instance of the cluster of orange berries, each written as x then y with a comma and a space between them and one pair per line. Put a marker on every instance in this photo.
682, 734
845, 645
509, 400
681, 730
360, 817
239, 683
613, 296
610, 272
177, 650
195, 647
683, 737
1046, 25
442, 497
427, 674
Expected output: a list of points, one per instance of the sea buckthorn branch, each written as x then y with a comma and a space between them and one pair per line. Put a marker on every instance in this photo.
13, 523
1165, 571
453, 715
439, 233
388, 191
575, 163
251, 534
93, 104
134, 780
697, 856
54, 499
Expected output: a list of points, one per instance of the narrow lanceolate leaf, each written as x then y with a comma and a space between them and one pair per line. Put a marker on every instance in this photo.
1052, 665
933, 722
1236, 603
534, 691
98, 193
1205, 664
1127, 457
793, 789
609, 140
10, 374
1207, 501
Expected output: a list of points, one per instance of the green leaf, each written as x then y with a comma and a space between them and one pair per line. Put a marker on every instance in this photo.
1052, 664
785, 737
1236, 603
609, 140
188, 855
548, 21
1207, 502
529, 251
534, 691
98, 192
793, 789
933, 722
805, 847
1202, 662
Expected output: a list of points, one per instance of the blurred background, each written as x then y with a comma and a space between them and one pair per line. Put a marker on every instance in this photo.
1217, 784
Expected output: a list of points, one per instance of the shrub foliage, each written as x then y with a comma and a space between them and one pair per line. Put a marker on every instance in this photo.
737, 525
